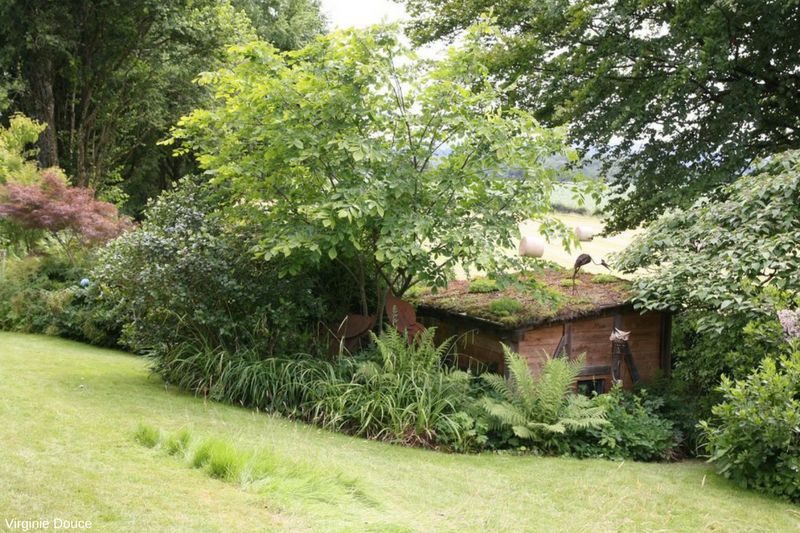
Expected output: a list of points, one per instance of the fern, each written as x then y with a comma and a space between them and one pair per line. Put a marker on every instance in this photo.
539, 408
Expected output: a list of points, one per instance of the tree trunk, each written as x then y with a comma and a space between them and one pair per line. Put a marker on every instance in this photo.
44, 109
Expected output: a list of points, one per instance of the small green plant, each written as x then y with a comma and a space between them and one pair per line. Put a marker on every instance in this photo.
604, 278
634, 431
567, 282
147, 436
505, 306
483, 285
178, 444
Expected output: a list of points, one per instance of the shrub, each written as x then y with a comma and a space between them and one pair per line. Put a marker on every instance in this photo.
754, 434
635, 430
701, 355
540, 410
505, 306
187, 276
71, 215
483, 285
42, 294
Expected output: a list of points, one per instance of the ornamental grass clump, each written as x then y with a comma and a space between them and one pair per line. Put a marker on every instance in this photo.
405, 394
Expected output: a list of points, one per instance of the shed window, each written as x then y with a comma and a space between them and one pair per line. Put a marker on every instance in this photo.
589, 386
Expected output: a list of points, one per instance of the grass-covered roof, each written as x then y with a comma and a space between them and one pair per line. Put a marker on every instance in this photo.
527, 299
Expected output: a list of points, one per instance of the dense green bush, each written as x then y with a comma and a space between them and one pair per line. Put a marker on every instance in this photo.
635, 430
702, 355
43, 294
406, 395
188, 275
754, 434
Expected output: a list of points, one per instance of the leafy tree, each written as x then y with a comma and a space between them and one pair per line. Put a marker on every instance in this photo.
354, 150
287, 24
540, 408
70, 214
734, 254
675, 97
17, 163
110, 78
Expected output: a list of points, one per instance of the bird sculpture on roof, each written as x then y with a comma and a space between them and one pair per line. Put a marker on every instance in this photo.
582, 260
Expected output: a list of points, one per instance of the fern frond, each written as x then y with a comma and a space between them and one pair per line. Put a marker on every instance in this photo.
498, 384
558, 427
522, 432
522, 382
504, 412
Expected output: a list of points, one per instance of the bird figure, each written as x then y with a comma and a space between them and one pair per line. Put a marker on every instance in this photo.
582, 260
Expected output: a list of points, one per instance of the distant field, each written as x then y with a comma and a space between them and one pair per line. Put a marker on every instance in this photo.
563, 200
599, 247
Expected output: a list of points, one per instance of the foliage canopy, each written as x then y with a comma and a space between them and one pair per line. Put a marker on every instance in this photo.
675, 97
736, 253
354, 149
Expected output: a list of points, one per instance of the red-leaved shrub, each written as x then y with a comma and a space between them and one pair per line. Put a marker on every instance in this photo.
69, 213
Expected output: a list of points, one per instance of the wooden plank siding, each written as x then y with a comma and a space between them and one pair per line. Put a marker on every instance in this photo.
588, 335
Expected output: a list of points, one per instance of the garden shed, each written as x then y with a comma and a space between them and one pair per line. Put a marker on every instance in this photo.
542, 316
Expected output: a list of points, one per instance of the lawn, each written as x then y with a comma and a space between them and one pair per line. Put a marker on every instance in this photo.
69, 413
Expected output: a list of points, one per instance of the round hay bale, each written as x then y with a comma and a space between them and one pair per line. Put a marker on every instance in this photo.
585, 233
531, 247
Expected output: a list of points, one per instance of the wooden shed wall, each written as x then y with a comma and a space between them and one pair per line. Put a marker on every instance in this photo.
473, 345
587, 335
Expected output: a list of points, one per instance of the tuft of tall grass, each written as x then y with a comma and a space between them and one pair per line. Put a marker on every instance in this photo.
147, 436
223, 460
261, 471
178, 444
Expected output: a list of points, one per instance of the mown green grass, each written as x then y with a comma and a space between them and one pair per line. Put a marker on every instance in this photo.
70, 415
